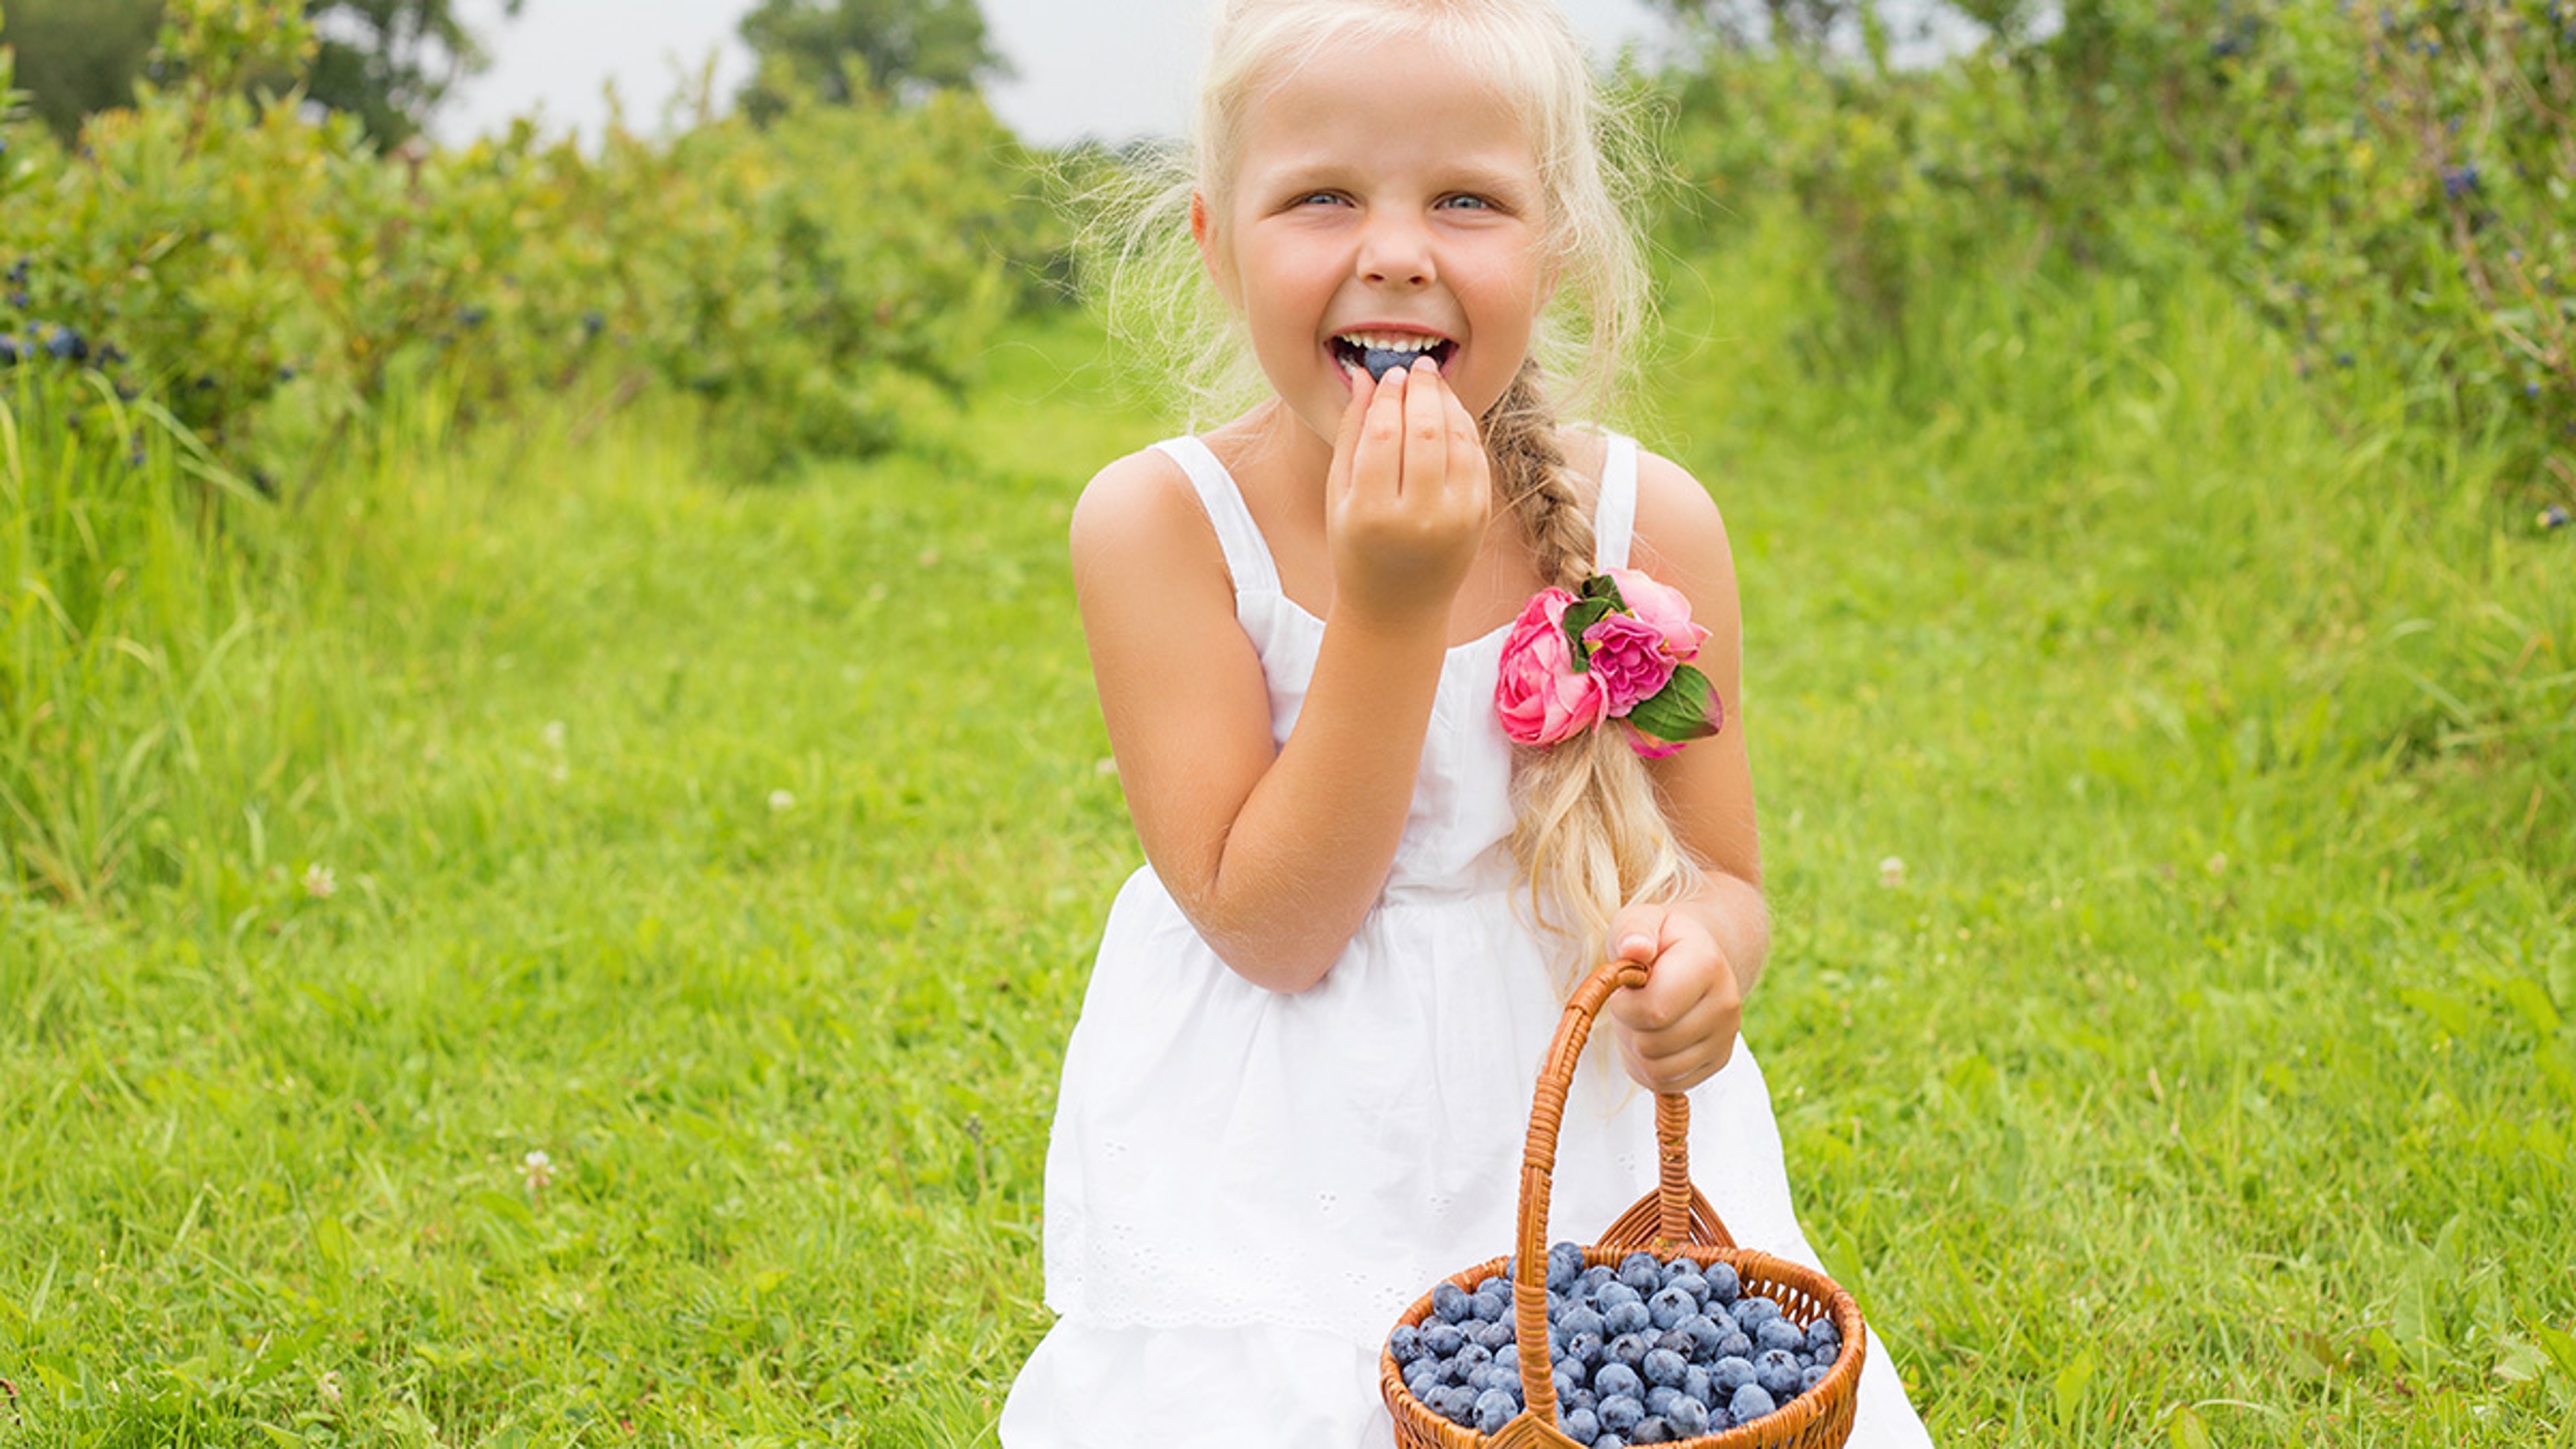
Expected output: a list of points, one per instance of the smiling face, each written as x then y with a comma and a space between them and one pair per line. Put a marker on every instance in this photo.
1383, 201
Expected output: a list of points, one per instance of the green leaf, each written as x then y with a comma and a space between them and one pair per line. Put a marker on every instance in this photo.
1579, 617
2072, 1380
2526, 997
2186, 1430
1602, 586
2561, 1345
2448, 1011
1681, 711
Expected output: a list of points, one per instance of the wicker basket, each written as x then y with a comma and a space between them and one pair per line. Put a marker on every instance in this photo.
1673, 1219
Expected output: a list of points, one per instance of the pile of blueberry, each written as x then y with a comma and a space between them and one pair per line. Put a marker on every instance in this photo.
1652, 1352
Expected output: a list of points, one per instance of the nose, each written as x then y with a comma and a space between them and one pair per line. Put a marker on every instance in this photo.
1395, 251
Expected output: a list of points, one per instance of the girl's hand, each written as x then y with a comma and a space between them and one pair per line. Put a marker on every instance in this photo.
1679, 1028
1407, 500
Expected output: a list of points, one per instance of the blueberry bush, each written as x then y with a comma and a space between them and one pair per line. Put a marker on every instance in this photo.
2390, 184
266, 276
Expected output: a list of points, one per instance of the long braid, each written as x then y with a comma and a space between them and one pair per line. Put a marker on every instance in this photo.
1589, 830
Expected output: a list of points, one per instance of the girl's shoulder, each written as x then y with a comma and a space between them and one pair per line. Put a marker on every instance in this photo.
1139, 511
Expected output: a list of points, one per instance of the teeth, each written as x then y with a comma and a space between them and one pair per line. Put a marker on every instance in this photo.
1391, 341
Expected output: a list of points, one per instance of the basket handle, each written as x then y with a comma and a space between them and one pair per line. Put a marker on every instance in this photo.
1679, 1214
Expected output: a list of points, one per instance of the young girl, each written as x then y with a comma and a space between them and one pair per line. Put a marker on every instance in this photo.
1300, 1085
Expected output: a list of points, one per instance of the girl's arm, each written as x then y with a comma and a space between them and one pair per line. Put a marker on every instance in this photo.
1276, 855
1705, 951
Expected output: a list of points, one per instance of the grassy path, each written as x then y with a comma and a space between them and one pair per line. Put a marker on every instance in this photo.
712, 875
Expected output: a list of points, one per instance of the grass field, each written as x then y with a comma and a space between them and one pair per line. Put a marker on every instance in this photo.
534, 944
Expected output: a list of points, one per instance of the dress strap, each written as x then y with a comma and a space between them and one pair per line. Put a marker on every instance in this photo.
1247, 554
1614, 518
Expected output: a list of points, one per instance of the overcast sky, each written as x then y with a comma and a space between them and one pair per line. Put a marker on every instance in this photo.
1107, 69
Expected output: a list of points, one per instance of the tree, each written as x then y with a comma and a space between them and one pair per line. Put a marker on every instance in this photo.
906, 47
391, 62
78, 56
387, 62
1802, 26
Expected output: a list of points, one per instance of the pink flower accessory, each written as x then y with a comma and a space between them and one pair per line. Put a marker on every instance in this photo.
1620, 649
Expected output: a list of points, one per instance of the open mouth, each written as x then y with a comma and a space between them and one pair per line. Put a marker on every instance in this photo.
1379, 353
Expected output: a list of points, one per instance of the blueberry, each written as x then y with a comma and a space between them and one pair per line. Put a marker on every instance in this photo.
1750, 1403
1689, 1418
1569, 1379
1723, 1285
1780, 1333
1493, 1336
1824, 1338
1735, 1345
1611, 1295
1813, 1375
1628, 1317
1609, 1440
1730, 1374
1580, 1425
1490, 1307
1642, 1273
1777, 1372
1631, 1349
1422, 1377
1692, 1285
1507, 1357
1595, 1278
1494, 1409
1620, 1413
1650, 1430
9, 354
1703, 1334
1676, 1342
1405, 1344
1564, 1267
1669, 1307
1450, 1303
1755, 1311
1584, 1348
1443, 1340
1696, 1384
1471, 1358
1676, 1266
67, 345
1382, 360
1582, 1318
1663, 1366
1618, 1381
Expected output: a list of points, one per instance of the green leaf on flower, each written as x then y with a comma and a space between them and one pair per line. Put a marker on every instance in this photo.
1579, 617
1602, 586
1683, 710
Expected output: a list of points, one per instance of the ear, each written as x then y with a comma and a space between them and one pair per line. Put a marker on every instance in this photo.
1211, 255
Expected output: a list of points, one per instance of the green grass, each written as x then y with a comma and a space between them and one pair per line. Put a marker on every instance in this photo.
2205, 1077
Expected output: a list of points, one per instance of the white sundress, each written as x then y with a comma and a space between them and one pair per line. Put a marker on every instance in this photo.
1245, 1188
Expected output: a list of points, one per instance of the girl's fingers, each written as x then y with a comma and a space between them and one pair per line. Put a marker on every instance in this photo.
1426, 432
1377, 462
1346, 439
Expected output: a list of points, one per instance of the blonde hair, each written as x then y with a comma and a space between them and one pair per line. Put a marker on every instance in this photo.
1590, 832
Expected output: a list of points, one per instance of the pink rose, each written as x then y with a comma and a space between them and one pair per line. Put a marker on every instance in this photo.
1666, 608
1540, 696
1627, 656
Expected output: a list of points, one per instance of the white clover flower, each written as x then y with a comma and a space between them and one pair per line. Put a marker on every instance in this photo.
1891, 872
780, 802
538, 1169
330, 1387
318, 882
